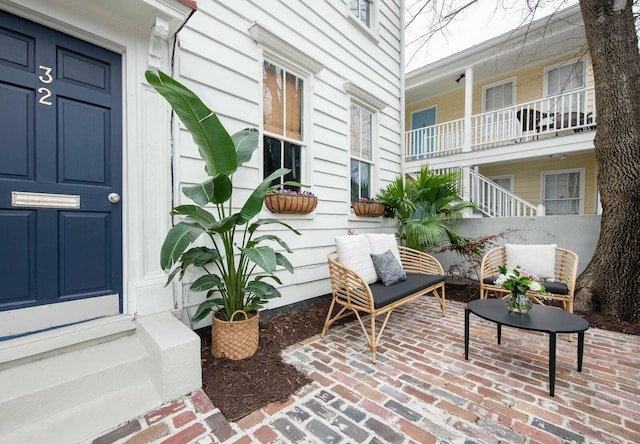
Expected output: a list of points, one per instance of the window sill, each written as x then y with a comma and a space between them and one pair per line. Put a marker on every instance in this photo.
266, 214
373, 36
354, 217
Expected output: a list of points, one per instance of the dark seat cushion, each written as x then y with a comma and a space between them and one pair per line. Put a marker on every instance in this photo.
491, 280
550, 287
383, 295
556, 287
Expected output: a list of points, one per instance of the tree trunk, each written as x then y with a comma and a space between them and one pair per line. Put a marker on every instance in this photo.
611, 281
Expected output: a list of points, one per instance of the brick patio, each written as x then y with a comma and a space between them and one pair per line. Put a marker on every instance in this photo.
423, 391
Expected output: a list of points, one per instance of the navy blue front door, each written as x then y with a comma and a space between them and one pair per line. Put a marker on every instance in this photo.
60, 159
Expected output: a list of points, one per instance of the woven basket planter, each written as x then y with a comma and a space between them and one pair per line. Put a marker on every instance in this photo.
290, 203
235, 339
368, 209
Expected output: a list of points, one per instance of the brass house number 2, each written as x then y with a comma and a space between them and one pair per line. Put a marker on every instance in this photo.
46, 79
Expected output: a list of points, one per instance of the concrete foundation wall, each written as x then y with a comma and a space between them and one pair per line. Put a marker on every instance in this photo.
576, 233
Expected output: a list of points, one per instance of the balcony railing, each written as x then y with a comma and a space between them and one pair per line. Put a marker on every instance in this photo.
573, 111
441, 139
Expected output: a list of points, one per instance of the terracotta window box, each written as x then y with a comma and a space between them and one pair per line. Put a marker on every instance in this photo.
368, 209
290, 203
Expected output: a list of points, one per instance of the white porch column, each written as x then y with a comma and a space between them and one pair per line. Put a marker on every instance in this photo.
468, 109
466, 189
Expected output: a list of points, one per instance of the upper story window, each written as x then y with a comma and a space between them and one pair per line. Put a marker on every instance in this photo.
498, 95
362, 10
361, 149
283, 121
559, 82
564, 77
563, 192
285, 99
363, 133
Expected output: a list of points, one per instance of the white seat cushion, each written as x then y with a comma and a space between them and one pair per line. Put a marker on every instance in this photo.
354, 252
537, 259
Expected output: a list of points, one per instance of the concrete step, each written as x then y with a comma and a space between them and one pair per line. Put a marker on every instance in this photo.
47, 343
80, 423
70, 384
64, 379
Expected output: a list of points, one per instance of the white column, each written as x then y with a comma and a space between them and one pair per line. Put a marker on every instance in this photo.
466, 189
152, 154
468, 108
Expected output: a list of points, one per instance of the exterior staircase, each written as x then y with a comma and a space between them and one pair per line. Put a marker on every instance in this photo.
70, 384
493, 200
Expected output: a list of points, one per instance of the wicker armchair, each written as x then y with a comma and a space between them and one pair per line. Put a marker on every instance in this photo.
352, 295
562, 289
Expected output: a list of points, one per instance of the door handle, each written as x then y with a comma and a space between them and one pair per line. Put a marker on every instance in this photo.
113, 197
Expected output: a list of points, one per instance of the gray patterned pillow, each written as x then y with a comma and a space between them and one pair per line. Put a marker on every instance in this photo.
388, 269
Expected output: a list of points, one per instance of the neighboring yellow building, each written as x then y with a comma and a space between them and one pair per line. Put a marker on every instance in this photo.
517, 114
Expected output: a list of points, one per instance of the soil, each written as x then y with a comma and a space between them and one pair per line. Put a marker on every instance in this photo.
238, 388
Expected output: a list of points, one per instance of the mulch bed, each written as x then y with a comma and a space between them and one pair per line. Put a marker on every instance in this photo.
238, 388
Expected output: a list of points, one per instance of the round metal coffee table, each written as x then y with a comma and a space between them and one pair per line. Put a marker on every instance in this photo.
541, 318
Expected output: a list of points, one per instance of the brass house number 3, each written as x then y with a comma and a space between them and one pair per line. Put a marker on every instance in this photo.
46, 79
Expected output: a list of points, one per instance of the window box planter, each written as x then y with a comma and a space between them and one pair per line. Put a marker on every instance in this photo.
368, 209
290, 203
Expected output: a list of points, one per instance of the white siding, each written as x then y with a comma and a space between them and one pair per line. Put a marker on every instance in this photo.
217, 57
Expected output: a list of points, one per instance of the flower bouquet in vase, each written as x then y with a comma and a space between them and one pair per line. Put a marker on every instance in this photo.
518, 282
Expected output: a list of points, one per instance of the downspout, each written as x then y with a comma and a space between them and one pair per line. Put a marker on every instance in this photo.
172, 147
172, 154
402, 93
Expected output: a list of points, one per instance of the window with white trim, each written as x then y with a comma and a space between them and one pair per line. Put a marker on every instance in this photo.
498, 95
363, 11
283, 119
361, 151
560, 80
499, 120
563, 192
505, 182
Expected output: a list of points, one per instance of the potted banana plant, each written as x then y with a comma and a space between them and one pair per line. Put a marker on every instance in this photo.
236, 260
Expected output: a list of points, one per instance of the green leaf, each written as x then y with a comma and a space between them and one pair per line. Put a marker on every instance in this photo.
254, 203
200, 256
284, 262
172, 275
178, 239
196, 213
225, 224
246, 142
264, 257
257, 224
216, 190
206, 282
275, 278
204, 309
223, 189
201, 194
262, 289
267, 237
214, 142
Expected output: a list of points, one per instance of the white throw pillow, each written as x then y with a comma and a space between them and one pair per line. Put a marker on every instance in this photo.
354, 252
537, 259
381, 242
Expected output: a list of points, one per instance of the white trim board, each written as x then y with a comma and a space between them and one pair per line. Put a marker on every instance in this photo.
42, 317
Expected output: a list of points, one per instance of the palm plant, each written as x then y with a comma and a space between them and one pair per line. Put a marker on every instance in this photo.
224, 244
424, 207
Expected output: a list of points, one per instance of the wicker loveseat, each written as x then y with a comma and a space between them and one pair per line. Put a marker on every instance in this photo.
351, 294
559, 287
